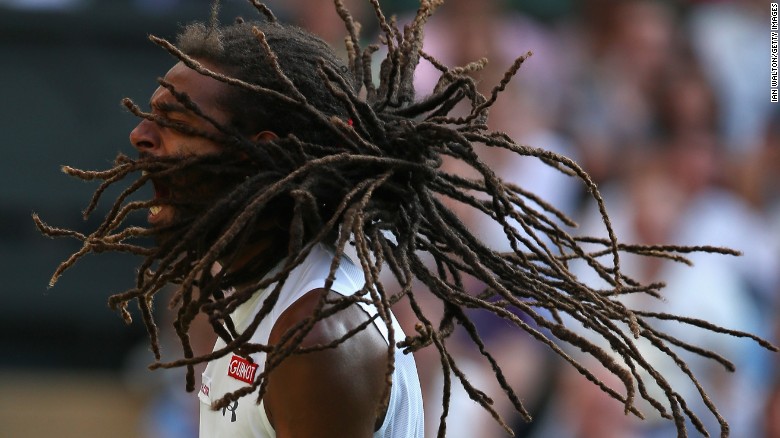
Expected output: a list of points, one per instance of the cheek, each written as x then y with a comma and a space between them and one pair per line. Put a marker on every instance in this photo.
194, 146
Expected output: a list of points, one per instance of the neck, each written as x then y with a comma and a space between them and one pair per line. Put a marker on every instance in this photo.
254, 261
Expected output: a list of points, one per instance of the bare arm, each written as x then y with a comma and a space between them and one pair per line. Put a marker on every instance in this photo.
329, 393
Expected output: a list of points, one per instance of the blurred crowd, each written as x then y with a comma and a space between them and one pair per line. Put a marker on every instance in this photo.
666, 105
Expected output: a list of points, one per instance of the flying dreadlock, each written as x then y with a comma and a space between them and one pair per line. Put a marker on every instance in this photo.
359, 163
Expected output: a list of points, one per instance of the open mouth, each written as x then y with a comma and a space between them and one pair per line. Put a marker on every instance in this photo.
161, 191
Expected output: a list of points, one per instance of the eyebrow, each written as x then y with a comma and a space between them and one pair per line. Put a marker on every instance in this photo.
169, 107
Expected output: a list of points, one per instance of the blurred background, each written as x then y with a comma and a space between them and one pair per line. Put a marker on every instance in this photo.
665, 103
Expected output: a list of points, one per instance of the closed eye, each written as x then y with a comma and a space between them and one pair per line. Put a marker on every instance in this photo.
173, 112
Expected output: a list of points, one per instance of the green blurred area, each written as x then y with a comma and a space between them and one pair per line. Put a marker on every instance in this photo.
63, 76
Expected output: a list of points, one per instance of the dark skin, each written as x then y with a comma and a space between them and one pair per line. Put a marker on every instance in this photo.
330, 393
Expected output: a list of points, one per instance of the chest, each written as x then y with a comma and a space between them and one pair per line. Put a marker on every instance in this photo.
244, 417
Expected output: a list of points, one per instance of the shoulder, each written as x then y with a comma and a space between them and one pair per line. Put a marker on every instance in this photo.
330, 387
331, 329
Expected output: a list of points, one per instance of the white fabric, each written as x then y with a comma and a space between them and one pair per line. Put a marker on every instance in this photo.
246, 418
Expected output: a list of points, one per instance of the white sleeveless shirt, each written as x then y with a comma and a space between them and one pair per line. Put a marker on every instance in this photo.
246, 418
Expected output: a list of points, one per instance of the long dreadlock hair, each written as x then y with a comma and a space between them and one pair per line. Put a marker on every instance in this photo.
359, 162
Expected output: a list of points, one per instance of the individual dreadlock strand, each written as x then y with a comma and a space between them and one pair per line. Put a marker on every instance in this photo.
464, 71
89, 175
708, 326
145, 306
410, 48
214, 19
697, 423
658, 343
50, 231
447, 390
638, 250
101, 246
683, 366
265, 10
274, 60
356, 62
435, 62
184, 338
477, 395
471, 329
665, 248
388, 68
85, 249
383, 24
126, 317
129, 232
476, 113
368, 81
352, 41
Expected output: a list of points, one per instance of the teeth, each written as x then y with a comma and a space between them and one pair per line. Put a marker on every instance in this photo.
156, 209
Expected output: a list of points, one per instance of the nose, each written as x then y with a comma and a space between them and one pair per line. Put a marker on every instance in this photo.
146, 138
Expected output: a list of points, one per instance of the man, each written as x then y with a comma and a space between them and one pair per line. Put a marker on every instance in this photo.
269, 155
317, 394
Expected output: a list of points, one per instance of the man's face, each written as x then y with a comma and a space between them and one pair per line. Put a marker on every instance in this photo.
153, 139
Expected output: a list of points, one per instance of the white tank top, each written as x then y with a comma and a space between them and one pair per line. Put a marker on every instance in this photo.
246, 418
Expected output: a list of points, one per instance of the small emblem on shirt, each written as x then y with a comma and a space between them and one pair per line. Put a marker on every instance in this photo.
232, 409
204, 389
242, 369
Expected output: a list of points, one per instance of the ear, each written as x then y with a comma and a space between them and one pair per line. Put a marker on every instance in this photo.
264, 136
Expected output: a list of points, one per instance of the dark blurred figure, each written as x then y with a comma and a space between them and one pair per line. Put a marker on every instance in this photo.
622, 49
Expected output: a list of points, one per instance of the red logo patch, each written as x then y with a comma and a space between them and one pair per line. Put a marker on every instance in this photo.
242, 369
